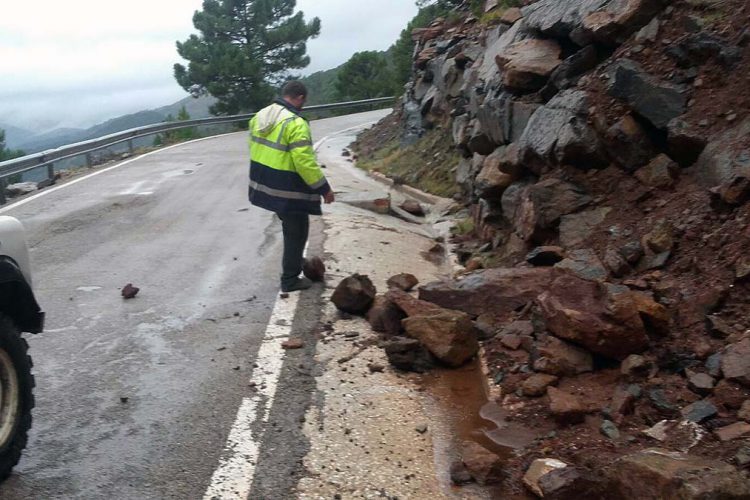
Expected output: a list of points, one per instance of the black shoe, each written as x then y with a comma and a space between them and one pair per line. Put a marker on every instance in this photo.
299, 284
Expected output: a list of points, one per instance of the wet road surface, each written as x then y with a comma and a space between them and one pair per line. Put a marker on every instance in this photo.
136, 399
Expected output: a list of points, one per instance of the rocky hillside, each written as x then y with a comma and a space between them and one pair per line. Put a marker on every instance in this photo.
605, 167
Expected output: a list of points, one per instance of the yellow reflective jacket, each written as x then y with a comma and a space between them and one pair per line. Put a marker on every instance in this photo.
284, 174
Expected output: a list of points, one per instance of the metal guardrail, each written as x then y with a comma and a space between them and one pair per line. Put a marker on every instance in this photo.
47, 158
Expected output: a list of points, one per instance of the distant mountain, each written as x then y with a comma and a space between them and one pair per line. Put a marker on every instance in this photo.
15, 135
197, 108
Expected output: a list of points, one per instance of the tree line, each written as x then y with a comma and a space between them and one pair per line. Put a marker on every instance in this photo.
246, 49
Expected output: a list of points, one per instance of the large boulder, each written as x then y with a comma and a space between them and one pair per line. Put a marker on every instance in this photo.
619, 19
605, 319
567, 74
354, 294
491, 182
557, 357
408, 355
559, 133
494, 116
490, 291
449, 335
560, 18
542, 206
656, 101
385, 317
527, 65
656, 473
498, 41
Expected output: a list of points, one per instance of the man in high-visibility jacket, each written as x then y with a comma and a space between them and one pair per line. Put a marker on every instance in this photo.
285, 177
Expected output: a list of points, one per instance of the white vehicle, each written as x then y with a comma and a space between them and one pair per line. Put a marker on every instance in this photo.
19, 312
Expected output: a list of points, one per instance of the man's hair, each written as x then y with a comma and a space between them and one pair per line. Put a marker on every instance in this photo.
294, 89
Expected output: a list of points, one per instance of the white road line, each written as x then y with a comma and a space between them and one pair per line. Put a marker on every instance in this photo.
233, 479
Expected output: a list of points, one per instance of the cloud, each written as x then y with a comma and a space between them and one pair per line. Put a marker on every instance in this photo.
78, 62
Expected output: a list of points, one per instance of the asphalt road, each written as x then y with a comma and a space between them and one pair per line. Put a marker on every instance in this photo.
135, 399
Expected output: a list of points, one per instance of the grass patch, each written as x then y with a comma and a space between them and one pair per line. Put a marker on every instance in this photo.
429, 164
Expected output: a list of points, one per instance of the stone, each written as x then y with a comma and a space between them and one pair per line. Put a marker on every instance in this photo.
735, 362
408, 355
537, 470
314, 269
479, 142
701, 383
633, 252
609, 429
623, 401
536, 385
557, 357
522, 113
730, 394
616, 263
292, 344
545, 256
498, 291
585, 264
744, 412
403, 281
660, 239
657, 261
613, 24
354, 295
684, 142
656, 473
509, 162
459, 474
527, 65
661, 172
577, 228
588, 313
565, 407
411, 306
20, 189
713, 365
648, 33
721, 160
544, 204
512, 342
656, 101
734, 192
718, 328
385, 317
510, 16
413, 207
567, 483
483, 465
560, 18
491, 182
699, 411
629, 143
559, 133
696, 49
129, 291
742, 458
733, 431
449, 335
635, 366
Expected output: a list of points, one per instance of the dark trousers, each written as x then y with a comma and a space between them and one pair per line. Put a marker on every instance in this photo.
295, 227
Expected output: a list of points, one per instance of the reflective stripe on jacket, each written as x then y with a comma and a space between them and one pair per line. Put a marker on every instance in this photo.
284, 174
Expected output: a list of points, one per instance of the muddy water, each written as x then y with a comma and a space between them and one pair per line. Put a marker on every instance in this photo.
460, 412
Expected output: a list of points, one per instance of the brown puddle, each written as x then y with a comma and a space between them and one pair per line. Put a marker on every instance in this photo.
462, 413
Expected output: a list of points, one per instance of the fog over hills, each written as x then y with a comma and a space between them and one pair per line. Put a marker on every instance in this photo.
31, 142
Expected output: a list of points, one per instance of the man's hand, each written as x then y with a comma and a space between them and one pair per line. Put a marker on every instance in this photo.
329, 197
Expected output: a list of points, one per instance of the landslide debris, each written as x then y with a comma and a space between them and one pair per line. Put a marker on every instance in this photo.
604, 171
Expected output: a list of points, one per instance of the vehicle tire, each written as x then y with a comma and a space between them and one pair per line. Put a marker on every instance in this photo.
16, 395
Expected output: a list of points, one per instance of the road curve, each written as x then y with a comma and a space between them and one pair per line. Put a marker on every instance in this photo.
135, 399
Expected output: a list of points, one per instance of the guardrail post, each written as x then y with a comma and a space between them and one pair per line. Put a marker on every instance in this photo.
3, 184
130, 146
51, 171
89, 160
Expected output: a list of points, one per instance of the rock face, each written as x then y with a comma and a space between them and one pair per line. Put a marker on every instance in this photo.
619, 19
656, 101
655, 473
490, 291
449, 335
527, 65
560, 18
354, 294
604, 320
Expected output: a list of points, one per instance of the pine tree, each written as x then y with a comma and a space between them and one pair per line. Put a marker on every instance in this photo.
245, 49
365, 76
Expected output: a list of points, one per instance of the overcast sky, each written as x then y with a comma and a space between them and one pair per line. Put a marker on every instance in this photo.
75, 63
